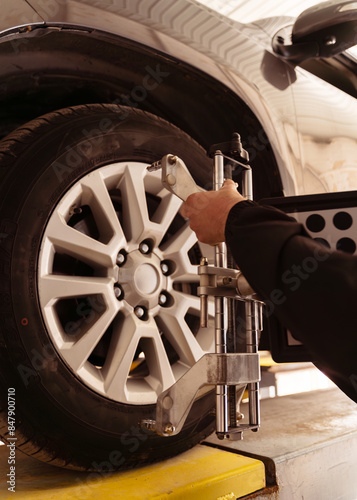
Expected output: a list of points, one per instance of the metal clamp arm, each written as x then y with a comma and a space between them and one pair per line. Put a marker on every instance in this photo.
229, 372
175, 403
175, 176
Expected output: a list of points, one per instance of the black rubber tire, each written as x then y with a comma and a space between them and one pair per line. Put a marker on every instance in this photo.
58, 419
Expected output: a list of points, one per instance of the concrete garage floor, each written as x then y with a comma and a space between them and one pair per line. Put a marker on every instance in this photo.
308, 443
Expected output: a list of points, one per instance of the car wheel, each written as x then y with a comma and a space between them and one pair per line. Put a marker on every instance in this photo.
98, 287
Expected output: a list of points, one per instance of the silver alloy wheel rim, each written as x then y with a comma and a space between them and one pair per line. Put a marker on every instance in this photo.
125, 287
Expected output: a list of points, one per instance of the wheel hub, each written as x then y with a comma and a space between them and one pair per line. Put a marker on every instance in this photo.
142, 279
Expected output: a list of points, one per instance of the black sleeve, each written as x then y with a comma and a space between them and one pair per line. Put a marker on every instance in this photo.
312, 289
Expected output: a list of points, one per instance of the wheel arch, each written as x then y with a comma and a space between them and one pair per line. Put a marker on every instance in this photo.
61, 66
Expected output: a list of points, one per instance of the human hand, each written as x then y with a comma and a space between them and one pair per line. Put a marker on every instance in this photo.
208, 212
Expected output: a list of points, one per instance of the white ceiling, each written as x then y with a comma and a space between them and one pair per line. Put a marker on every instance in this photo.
249, 10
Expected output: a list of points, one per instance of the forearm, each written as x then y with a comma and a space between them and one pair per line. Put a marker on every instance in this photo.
312, 290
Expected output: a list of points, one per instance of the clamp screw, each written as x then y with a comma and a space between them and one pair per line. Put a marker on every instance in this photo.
169, 428
172, 159
239, 416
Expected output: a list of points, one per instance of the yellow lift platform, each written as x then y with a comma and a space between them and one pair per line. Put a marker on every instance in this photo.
203, 473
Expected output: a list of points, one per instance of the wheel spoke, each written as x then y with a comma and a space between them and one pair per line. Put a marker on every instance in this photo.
52, 287
191, 303
177, 331
164, 215
135, 212
68, 240
77, 353
181, 338
137, 224
161, 375
124, 343
123, 348
96, 195
177, 249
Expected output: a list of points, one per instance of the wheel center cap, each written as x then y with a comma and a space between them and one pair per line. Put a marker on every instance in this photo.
141, 279
146, 279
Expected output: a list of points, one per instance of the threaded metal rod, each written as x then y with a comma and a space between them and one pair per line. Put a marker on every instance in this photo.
222, 413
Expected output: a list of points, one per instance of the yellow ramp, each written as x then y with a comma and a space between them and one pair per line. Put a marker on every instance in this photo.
203, 473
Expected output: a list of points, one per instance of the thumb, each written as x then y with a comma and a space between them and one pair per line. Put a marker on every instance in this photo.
230, 184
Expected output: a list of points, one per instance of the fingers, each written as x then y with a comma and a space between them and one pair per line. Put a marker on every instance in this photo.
189, 207
197, 202
185, 210
208, 211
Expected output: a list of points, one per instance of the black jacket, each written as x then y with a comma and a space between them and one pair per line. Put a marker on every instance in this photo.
312, 289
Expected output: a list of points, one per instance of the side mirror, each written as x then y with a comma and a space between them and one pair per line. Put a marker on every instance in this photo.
325, 30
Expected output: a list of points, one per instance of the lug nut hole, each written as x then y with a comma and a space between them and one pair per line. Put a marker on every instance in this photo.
121, 257
146, 246
167, 267
165, 299
118, 292
141, 313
